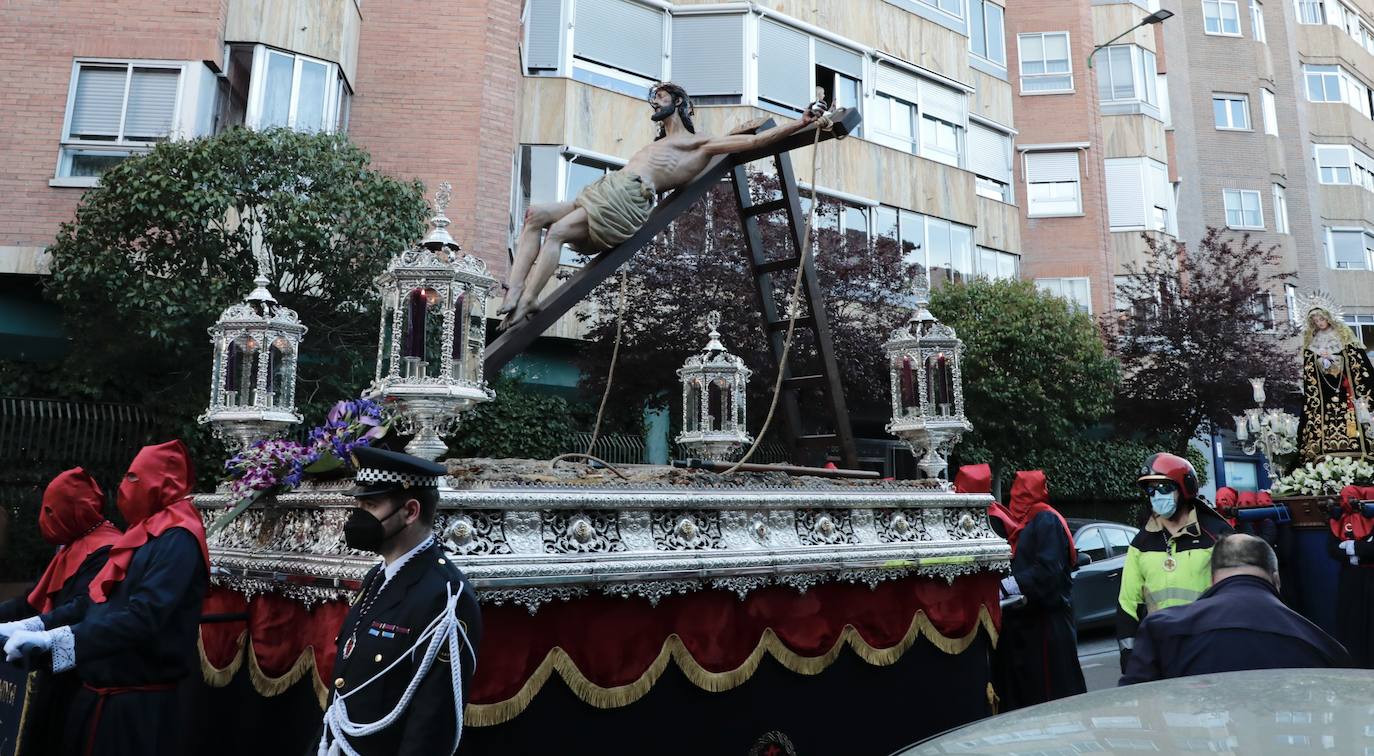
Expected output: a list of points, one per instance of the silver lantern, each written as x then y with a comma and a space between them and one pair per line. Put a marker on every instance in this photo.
923, 359
433, 331
256, 344
713, 400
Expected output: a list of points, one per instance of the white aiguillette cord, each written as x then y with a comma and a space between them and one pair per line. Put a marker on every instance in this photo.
444, 628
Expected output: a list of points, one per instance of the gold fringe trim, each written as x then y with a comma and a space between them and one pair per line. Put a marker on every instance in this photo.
557, 660
263, 683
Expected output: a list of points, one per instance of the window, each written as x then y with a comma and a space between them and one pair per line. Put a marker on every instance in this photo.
1091, 542
1052, 184
1118, 540
1165, 113
1231, 112
1257, 22
1349, 249
1334, 164
1323, 83
940, 140
1139, 195
296, 92
1368, 35
619, 44
989, 157
1126, 73
893, 122
985, 34
115, 110
1075, 290
1290, 303
998, 265
1310, 12
1221, 17
1243, 209
951, 7
1280, 210
1350, 22
1363, 326
1271, 119
708, 56
1263, 307
1045, 67
546, 174
936, 247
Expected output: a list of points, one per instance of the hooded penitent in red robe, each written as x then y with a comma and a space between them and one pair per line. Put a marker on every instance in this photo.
978, 479
154, 497
1030, 494
71, 518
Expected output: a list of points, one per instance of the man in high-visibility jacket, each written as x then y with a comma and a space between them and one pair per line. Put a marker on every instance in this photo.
1169, 561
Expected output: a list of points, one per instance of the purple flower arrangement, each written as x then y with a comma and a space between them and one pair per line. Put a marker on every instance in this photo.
280, 465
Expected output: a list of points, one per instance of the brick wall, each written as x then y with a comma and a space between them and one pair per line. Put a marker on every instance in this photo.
38, 41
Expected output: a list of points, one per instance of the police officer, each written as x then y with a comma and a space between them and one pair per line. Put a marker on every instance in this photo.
1169, 560
416, 617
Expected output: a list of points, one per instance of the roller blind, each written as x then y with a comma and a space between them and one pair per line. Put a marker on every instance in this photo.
898, 83
620, 34
784, 64
99, 101
544, 35
989, 153
943, 103
837, 58
1051, 167
1125, 193
152, 103
708, 54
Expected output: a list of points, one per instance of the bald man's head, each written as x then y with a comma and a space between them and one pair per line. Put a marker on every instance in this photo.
1241, 554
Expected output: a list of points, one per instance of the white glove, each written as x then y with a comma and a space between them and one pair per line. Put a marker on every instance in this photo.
1010, 587
8, 629
26, 641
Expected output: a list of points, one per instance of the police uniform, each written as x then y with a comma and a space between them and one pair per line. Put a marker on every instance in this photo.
385, 623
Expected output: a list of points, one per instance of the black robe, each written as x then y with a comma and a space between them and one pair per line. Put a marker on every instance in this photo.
1037, 655
1355, 601
143, 637
378, 630
51, 695
1328, 423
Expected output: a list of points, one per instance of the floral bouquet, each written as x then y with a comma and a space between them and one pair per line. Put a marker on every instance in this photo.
1326, 477
277, 465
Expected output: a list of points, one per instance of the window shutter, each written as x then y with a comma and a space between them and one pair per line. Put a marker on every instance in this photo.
897, 83
784, 57
1044, 167
152, 103
99, 101
943, 103
989, 153
839, 59
708, 54
544, 35
1125, 193
620, 34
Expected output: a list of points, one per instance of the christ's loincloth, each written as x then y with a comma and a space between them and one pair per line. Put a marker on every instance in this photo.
617, 204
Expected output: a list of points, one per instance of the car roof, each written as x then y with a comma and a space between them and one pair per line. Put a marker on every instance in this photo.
1078, 523
1249, 712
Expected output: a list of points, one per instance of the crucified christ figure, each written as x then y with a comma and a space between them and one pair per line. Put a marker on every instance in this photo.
612, 208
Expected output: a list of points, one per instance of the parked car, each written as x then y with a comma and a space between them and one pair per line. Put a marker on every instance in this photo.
1255, 712
1101, 557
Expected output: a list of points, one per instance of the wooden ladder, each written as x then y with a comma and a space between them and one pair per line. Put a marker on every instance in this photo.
601, 267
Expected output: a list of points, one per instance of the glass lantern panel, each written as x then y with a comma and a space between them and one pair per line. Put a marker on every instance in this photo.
692, 407
434, 350
217, 376
940, 384
240, 375
907, 385
461, 324
719, 407
388, 336
476, 337
279, 381
740, 420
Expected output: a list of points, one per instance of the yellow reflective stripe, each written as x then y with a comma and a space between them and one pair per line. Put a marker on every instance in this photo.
1132, 583
1167, 597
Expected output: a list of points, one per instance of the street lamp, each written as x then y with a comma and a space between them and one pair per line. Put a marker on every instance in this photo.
1154, 18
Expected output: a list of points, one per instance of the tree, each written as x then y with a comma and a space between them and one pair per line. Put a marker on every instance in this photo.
1035, 373
148, 264
1201, 322
700, 265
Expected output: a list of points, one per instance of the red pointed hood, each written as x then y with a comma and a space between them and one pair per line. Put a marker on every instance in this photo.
973, 479
1028, 489
72, 518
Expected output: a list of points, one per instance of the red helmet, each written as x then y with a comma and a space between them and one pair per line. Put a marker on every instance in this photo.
1173, 468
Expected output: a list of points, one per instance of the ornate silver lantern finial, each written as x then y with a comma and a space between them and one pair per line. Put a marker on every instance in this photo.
433, 332
927, 386
256, 345
713, 399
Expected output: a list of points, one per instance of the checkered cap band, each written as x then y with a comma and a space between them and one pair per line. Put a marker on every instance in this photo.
370, 475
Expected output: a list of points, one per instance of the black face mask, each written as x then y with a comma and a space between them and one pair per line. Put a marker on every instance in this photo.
365, 532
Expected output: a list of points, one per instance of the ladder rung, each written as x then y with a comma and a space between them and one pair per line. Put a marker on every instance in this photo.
820, 439
771, 206
802, 322
772, 266
801, 381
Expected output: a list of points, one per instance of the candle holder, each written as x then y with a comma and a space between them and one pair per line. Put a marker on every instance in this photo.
1270, 432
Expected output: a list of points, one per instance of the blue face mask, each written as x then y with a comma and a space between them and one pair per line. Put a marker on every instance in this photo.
1163, 504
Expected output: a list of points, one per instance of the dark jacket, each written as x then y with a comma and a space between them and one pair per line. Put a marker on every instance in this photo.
1240, 623
373, 637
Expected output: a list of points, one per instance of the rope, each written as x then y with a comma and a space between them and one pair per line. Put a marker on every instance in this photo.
824, 123
443, 629
602, 462
615, 353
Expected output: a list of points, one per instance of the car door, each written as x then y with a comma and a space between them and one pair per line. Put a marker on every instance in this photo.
1094, 597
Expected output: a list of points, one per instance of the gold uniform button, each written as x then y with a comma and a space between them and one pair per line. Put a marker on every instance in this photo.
377, 658
441, 561
339, 683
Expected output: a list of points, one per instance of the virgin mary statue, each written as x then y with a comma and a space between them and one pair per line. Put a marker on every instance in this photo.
1337, 386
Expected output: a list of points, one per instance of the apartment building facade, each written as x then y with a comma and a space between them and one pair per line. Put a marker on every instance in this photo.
1094, 151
